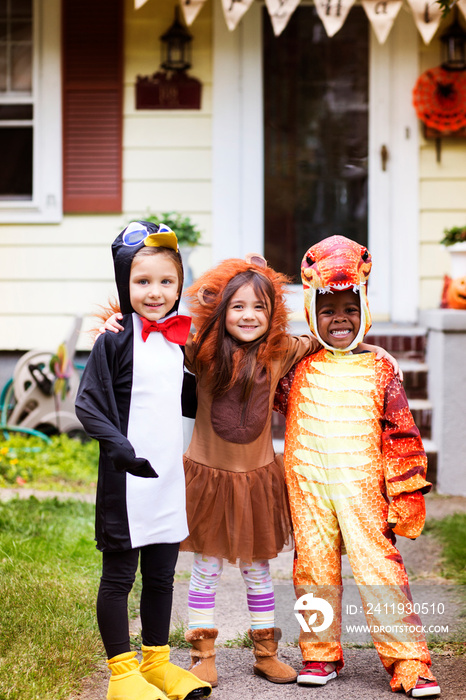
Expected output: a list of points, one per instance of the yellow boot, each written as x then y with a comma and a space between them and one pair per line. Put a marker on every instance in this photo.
126, 682
176, 682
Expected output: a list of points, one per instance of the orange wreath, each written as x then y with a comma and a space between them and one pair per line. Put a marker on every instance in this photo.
439, 98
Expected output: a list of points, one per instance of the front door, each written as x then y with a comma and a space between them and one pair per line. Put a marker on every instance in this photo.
316, 135
306, 161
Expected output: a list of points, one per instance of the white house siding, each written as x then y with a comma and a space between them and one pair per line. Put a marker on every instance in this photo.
442, 197
51, 272
167, 155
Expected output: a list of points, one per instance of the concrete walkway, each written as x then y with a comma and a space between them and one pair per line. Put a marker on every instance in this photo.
363, 677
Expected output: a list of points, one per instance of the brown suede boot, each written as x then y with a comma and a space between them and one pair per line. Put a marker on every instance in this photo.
265, 650
203, 654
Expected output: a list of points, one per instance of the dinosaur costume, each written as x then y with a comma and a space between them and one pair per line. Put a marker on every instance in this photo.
351, 444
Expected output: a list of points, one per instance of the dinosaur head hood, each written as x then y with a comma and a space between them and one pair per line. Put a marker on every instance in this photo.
125, 246
335, 264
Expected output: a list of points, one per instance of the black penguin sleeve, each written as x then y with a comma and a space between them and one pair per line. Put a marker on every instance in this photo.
98, 411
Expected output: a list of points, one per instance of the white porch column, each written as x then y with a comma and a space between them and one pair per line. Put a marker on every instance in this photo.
404, 239
393, 193
238, 189
446, 354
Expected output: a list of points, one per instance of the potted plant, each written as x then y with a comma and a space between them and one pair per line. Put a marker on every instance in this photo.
454, 239
187, 233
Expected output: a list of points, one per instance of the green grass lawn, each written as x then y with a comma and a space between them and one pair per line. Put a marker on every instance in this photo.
49, 571
451, 531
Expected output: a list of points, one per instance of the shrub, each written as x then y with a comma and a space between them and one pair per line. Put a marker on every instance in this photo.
456, 234
187, 233
65, 464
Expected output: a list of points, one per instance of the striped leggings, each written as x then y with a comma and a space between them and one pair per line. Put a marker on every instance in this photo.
205, 576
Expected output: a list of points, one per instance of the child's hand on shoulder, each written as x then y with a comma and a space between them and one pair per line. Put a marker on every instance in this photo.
111, 324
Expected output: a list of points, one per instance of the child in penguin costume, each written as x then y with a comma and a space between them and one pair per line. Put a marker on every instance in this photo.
130, 401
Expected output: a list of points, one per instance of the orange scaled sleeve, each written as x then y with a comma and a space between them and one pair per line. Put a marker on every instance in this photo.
404, 458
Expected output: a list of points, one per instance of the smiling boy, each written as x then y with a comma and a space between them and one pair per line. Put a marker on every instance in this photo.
351, 445
338, 317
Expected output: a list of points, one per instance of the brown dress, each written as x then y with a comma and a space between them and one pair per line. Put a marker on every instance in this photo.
235, 488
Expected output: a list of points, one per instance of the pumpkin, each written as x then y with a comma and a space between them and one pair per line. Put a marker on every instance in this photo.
454, 293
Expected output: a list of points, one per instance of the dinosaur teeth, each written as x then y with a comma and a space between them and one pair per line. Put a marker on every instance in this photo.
330, 288
337, 287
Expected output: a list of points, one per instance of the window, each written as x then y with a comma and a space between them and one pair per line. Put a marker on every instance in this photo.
30, 111
16, 119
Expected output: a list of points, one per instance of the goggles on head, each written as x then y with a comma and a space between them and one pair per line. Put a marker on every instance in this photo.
136, 233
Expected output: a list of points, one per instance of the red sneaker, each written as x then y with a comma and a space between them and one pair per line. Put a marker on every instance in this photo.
425, 688
316, 673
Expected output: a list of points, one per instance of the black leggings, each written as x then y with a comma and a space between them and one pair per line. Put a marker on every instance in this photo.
158, 563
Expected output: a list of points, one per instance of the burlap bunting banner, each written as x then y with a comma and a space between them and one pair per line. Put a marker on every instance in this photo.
280, 12
382, 14
427, 16
234, 10
333, 13
462, 7
191, 9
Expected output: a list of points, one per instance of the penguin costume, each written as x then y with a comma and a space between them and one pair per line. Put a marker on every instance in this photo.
129, 400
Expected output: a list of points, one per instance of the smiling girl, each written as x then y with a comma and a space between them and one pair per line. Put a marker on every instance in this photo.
236, 498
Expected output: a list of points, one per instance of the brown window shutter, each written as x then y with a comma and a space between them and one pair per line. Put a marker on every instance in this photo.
92, 105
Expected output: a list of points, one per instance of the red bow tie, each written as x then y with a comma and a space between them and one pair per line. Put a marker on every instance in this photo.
175, 329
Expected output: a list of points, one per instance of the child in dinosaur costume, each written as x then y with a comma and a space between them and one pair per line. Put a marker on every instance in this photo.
351, 445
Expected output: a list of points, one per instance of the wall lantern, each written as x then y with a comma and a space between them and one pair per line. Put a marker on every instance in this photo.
171, 87
453, 47
176, 46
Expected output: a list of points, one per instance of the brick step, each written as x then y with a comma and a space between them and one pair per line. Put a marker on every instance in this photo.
422, 414
414, 378
431, 452
401, 341
408, 365
420, 405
